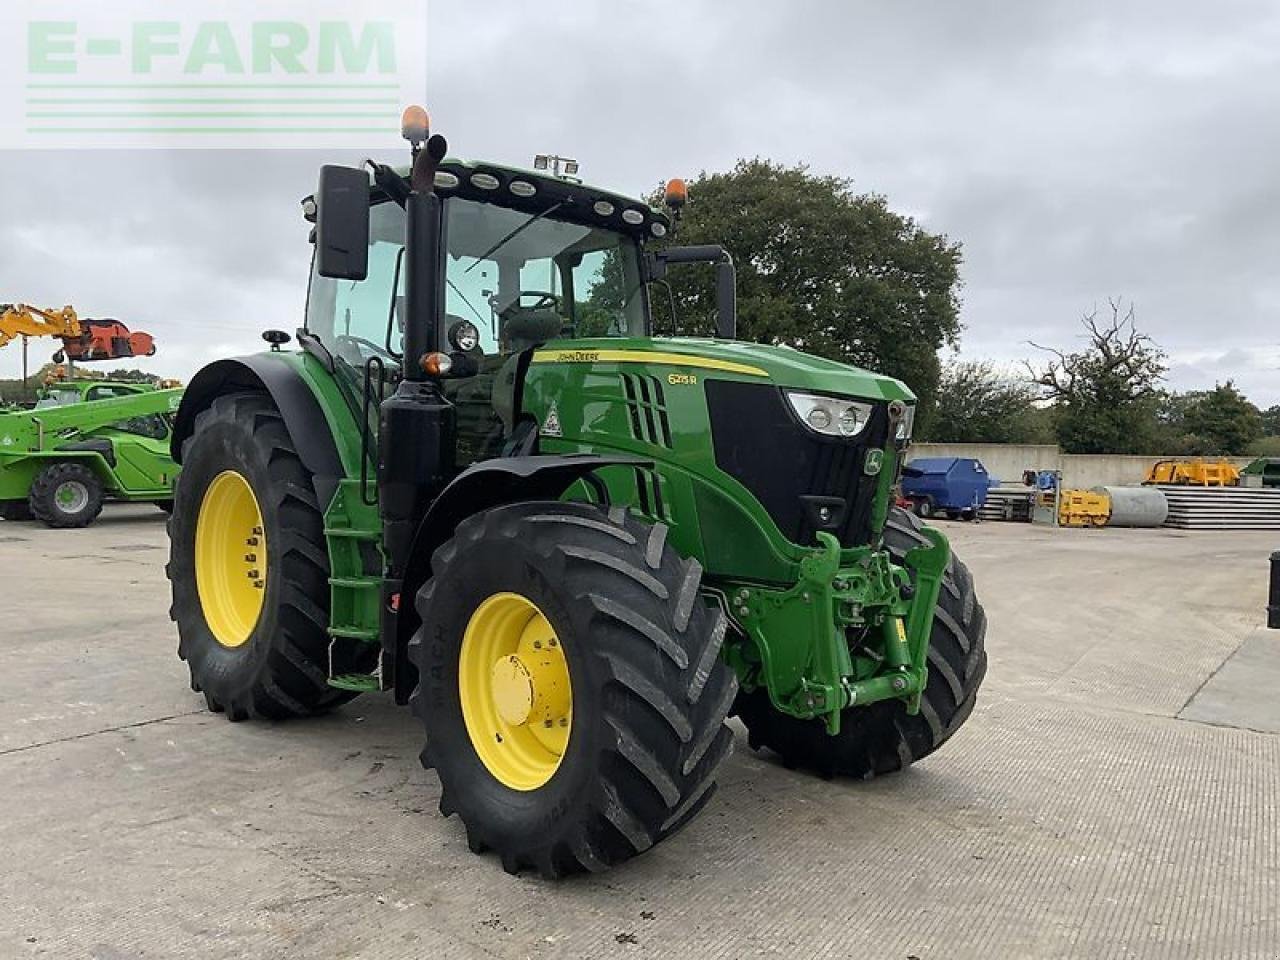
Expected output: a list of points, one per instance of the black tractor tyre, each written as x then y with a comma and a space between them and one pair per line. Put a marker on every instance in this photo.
65, 495
649, 691
15, 510
281, 670
881, 737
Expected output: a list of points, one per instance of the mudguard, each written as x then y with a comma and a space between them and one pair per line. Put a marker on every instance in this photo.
485, 485
292, 396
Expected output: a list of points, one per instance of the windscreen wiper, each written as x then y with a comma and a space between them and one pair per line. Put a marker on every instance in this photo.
513, 234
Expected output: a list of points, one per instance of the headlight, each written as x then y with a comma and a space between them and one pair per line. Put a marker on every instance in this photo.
908, 421
464, 336
830, 416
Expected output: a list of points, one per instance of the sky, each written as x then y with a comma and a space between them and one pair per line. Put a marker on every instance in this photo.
1079, 151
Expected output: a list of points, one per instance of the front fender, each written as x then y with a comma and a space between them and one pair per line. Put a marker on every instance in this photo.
487, 484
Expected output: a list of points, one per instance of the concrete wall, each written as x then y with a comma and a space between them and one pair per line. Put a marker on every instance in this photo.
1006, 462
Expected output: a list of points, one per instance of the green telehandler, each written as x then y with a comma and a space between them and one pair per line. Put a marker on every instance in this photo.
574, 548
84, 442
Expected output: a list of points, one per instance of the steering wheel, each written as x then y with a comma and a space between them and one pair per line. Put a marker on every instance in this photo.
545, 299
377, 348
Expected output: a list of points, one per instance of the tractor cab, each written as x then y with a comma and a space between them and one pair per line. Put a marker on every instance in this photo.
524, 259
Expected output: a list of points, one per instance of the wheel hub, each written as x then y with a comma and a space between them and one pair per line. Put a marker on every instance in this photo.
231, 559
516, 696
71, 496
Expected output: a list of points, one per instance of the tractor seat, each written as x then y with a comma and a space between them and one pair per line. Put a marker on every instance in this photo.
528, 328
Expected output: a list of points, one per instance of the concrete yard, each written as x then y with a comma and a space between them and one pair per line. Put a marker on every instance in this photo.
1112, 796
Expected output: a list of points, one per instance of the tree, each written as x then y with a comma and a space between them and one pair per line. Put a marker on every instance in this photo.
1214, 422
1107, 395
822, 269
1271, 421
978, 404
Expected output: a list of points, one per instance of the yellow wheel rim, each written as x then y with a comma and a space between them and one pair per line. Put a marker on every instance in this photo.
231, 559
517, 701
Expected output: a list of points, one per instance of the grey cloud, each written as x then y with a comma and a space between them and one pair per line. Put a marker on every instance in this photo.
1078, 150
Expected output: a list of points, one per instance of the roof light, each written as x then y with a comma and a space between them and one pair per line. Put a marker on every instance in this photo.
570, 167
522, 188
676, 194
634, 217
659, 229
541, 162
415, 124
603, 207
446, 180
484, 181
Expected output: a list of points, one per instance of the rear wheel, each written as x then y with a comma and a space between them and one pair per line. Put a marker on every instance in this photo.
66, 495
924, 508
882, 737
249, 566
570, 684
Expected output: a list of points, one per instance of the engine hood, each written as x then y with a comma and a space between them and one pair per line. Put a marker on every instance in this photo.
733, 359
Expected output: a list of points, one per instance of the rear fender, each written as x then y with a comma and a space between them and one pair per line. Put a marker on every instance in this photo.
292, 395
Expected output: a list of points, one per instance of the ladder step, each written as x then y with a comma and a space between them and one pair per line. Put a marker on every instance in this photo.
359, 682
356, 583
352, 533
354, 633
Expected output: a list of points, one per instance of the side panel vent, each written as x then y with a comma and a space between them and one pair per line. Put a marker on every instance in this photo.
647, 407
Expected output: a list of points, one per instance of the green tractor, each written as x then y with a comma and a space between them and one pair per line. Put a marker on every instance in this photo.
572, 547
87, 441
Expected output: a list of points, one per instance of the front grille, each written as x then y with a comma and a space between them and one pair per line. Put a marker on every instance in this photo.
761, 444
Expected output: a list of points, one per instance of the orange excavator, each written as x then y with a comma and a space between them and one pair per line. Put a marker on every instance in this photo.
82, 339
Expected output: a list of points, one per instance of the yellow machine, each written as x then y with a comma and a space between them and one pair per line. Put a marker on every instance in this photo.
1197, 472
87, 339
20, 320
1083, 508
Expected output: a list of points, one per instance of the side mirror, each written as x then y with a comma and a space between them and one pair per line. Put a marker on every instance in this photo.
342, 223
726, 279
726, 299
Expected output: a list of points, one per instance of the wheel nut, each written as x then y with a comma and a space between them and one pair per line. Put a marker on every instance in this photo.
899, 683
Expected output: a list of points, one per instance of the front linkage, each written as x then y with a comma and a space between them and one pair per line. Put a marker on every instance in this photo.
870, 598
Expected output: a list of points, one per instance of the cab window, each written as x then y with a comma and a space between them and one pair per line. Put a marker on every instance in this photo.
357, 320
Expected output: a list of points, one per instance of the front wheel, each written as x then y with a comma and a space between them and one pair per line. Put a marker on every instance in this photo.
570, 685
66, 495
881, 737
